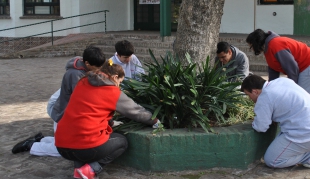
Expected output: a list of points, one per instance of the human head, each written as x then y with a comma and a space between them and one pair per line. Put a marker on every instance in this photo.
224, 52
252, 85
256, 40
93, 57
114, 71
124, 50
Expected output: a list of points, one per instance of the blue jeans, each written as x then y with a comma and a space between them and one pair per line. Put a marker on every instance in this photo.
284, 153
99, 156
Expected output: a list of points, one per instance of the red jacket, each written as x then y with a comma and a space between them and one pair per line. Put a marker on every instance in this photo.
286, 55
92, 104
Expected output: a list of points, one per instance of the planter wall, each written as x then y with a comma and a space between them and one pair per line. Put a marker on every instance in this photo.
175, 150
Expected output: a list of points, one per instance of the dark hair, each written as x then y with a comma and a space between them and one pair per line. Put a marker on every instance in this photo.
113, 69
94, 56
222, 47
124, 47
252, 82
257, 40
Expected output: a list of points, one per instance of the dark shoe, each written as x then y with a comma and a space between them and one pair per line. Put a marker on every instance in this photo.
38, 137
26, 145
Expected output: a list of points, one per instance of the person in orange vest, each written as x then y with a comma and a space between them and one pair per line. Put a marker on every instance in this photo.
76, 68
283, 55
85, 135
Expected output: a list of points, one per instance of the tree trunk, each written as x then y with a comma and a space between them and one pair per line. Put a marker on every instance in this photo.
198, 28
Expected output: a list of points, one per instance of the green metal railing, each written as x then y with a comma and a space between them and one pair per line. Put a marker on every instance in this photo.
52, 26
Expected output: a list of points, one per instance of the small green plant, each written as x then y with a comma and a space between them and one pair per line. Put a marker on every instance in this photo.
243, 112
184, 95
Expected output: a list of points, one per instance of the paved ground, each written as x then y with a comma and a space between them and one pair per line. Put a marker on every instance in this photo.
26, 85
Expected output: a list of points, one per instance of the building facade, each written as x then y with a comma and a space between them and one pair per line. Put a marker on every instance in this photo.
240, 16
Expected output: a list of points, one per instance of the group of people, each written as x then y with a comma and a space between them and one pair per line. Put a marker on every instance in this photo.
283, 55
83, 107
283, 101
89, 95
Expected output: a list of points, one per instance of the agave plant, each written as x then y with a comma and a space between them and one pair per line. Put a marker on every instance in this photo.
183, 95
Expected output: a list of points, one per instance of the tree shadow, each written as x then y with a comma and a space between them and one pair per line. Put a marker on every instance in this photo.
24, 165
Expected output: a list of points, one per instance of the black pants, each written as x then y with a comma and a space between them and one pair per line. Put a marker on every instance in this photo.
99, 156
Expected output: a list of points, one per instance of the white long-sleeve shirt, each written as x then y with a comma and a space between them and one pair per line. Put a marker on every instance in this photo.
132, 69
283, 101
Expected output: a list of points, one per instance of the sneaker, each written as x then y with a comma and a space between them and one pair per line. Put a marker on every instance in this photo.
86, 172
76, 174
26, 144
262, 160
38, 137
306, 165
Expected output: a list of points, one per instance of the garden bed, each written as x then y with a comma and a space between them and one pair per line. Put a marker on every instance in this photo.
235, 146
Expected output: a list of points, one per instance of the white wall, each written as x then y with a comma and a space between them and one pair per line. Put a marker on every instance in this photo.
16, 11
68, 8
238, 16
131, 16
88, 7
282, 23
17, 7
120, 16
8, 23
244, 16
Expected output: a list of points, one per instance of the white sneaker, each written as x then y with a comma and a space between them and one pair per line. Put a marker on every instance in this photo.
262, 160
306, 165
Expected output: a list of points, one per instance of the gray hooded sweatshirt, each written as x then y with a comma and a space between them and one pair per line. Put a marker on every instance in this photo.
240, 63
75, 70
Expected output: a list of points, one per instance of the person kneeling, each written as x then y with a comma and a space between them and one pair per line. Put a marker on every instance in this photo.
281, 101
83, 134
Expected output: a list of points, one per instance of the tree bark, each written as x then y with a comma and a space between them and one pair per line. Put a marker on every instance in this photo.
198, 29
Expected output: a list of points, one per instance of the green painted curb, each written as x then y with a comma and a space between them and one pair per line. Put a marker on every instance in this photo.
176, 150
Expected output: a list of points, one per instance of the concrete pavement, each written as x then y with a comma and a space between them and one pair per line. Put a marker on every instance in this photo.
26, 85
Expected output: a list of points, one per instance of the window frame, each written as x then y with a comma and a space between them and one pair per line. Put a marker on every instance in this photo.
4, 5
34, 4
278, 2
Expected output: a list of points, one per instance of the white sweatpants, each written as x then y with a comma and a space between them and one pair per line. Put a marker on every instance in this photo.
46, 147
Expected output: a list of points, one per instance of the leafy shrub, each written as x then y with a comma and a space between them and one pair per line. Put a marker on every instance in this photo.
184, 95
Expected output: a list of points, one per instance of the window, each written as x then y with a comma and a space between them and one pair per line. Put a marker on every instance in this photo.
276, 2
41, 7
4, 7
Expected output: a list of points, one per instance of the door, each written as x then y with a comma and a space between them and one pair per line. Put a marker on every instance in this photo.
302, 18
147, 16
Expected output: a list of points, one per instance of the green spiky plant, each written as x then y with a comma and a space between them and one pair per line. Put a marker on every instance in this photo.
183, 95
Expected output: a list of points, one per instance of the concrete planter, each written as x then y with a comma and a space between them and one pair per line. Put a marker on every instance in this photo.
175, 150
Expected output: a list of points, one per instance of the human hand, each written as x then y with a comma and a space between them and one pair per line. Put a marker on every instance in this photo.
157, 124
117, 123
